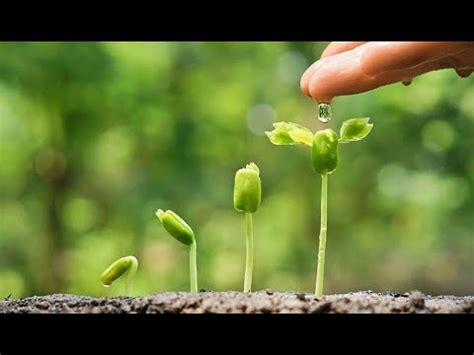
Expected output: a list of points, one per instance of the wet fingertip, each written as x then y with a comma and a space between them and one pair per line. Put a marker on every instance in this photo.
304, 84
313, 87
319, 92
306, 93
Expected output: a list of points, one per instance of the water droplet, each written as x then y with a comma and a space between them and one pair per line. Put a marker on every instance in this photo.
106, 286
406, 82
464, 73
324, 114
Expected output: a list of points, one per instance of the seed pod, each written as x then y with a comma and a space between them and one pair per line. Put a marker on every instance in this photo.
117, 269
325, 151
247, 189
176, 226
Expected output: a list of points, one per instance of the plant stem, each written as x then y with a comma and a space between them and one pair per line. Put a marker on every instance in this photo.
322, 235
130, 275
193, 267
249, 255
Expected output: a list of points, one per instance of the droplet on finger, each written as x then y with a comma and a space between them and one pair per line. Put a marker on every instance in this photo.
324, 113
464, 73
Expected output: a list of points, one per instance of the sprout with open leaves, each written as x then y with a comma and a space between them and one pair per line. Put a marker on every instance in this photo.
324, 156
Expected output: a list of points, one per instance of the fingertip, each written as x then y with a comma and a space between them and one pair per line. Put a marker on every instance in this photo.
305, 78
332, 49
314, 88
338, 47
304, 85
319, 89
305, 91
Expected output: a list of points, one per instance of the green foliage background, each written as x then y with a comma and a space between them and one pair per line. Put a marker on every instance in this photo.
94, 137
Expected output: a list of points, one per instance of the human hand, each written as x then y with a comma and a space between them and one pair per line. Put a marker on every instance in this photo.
353, 67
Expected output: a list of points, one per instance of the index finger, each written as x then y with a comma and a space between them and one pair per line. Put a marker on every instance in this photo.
338, 47
332, 49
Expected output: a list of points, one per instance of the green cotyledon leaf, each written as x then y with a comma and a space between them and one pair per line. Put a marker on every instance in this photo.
302, 136
289, 133
355, 129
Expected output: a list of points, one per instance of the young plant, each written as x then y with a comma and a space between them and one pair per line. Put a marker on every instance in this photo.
324, 156
247, 197
127, 264
181, 231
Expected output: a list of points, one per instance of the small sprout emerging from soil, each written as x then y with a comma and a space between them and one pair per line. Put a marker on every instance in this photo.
247, 197
324, 156
127, 264
182, 232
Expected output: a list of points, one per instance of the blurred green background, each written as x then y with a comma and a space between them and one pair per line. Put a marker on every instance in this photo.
94, 137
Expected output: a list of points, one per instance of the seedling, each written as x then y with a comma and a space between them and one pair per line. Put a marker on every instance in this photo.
127, 264
247, 197
181, 231
324, 156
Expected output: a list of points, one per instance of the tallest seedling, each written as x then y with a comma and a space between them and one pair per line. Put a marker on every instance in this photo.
324, 156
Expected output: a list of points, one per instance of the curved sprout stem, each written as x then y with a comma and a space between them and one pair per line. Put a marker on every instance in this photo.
130, 274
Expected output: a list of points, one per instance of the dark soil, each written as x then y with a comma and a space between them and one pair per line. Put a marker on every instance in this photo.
238, 302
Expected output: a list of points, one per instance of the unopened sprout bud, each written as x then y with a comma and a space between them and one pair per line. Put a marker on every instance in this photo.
182, 232
247, 196
247, 189
176, 226
127, 264
325, 151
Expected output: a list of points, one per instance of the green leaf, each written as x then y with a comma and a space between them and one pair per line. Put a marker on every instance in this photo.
355, 129
302, 136
289, 133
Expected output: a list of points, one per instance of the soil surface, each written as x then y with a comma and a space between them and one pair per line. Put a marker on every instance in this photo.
238, 302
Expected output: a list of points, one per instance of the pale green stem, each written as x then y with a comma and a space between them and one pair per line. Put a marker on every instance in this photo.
193, 267
322, 235
249, 256
130, 275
